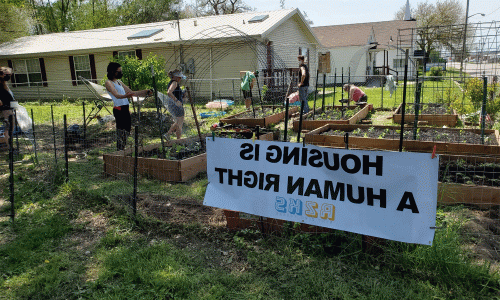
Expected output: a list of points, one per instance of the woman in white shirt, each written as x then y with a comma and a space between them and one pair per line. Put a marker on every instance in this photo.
120, 93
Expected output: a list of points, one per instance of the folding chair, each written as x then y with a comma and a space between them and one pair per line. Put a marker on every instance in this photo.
101, 98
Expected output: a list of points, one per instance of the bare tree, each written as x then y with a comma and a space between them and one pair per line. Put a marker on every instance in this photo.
429, 17
220, 7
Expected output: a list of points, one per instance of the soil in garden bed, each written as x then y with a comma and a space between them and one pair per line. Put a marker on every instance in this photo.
176, 151
238, 131
150, 123
462, 172
423, 134
179, 210
334, 114
268, 111
428, 109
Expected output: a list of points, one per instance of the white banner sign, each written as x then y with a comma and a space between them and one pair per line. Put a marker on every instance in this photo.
391, 195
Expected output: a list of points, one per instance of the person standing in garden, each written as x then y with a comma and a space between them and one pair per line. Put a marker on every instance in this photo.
120, 93
175, 100
6, 97
355, 94
247, 81
303, 83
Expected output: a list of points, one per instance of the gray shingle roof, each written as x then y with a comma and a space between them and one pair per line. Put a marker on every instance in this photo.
359, 34
116, 37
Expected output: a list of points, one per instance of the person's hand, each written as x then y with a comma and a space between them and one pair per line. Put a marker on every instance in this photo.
129, 95
1, 103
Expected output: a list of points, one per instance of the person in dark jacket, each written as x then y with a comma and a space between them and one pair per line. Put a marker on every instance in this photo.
6, 97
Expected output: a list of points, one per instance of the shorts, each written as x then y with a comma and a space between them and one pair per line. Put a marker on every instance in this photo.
363, 98
247, 94
176, 111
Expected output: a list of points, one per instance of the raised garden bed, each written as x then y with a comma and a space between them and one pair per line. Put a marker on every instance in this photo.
332, 115
245, 132
262, 119
183, 163
434, 114
451, 140
470, 180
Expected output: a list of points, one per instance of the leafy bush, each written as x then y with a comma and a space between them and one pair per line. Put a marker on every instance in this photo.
474, 91
435, 72
137, 73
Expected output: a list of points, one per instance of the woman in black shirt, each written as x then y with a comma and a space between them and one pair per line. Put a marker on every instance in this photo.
6, 97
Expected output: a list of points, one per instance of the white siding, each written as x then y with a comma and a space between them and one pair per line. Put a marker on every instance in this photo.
346, 57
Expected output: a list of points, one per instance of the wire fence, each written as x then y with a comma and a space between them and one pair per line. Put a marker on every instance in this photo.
67, 146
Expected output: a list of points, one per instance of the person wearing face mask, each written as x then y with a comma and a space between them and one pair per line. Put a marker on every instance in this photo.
175, 100
303, 83
6, 97
120, 93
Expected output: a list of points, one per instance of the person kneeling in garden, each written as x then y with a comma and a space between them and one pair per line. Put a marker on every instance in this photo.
355, 94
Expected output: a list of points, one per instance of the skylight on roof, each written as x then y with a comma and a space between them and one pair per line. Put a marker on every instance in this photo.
145, 34
257, 19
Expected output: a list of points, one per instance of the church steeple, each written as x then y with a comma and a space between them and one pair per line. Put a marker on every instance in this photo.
407, 11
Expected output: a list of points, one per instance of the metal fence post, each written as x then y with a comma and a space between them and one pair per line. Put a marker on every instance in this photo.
136, 155
34, 137
66, 149
54, 133
85, 121
483, 107
324, 86
11, 168
418, 88
315, 93
404, 103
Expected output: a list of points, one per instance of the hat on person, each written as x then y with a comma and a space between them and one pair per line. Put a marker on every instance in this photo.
179, 74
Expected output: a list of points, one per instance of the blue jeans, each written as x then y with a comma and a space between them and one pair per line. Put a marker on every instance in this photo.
303, 97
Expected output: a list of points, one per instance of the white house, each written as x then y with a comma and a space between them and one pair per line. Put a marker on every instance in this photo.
365, 49
48, 66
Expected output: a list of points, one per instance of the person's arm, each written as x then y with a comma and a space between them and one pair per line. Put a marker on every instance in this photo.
170, 93
141, 93
111, 88
351, 92
303, 77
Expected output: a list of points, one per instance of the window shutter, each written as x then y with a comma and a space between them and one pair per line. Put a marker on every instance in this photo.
42, 70
138, 53
13, 78
92, 68
72, 70
115, 53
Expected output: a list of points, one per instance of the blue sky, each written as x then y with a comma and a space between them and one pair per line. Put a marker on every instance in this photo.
336, 12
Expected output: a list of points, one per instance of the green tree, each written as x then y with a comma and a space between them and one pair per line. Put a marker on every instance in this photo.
145, 11
429, 17
92, 14
14, 20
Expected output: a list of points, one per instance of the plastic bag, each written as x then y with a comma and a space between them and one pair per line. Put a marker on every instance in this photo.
23, 119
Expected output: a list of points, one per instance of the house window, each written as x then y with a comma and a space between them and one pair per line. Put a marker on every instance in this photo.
398, 63
82, 66
130, 53
27, 72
